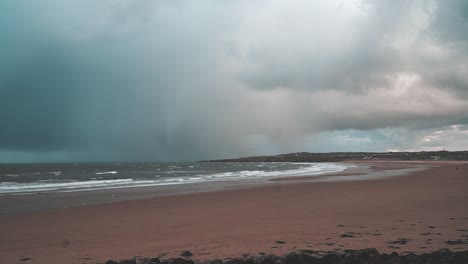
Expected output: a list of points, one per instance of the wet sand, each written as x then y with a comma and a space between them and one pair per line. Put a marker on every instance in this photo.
417, 212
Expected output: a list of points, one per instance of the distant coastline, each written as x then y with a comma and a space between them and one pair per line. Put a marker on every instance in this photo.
348, 156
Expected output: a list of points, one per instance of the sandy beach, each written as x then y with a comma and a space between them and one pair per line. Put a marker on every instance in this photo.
421, 211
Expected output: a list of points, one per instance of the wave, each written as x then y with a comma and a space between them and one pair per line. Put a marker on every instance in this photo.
106, 172
97, 184
38, 186
11, 175
308, 169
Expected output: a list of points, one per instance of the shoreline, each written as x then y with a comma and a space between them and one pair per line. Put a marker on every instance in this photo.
235, 220
52, 200
11, 204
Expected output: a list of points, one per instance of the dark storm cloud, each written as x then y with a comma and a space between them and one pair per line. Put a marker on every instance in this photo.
111, 80
180, 80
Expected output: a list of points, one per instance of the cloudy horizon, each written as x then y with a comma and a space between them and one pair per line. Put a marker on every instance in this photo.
193, 80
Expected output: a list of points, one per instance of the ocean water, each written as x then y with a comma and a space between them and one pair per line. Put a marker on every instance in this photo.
35, 178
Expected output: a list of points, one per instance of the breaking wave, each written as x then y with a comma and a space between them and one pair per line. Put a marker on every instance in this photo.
171, 176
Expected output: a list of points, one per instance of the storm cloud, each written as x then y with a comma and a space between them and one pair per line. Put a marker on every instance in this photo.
190, 80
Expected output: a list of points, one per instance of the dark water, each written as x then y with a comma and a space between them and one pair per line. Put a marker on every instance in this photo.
33, 178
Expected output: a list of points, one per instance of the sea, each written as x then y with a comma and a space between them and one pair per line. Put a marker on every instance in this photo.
72, 177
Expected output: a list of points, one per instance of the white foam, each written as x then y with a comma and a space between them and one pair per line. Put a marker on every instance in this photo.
11, 175
13, 187
106, 172
307, 169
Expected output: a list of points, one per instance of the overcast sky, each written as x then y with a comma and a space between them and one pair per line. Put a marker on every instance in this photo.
109, 80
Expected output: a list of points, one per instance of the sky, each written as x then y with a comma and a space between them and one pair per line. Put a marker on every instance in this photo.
175, 80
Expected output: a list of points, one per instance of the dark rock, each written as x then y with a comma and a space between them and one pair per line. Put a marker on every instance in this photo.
128, 261
143, 261
412, 258
352, 259
425, 258
155, 261
359, 256
280, 242
181, 261
240, 261
460, 257
330, 259
268, 259
24, 259
443, 251
375, 259
384, 256
215, 261
364, 256
393, 258
294, 258
186, 253
367, 252
307, 251
441, 256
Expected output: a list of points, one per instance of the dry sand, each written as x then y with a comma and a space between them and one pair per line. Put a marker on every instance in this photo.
427, 207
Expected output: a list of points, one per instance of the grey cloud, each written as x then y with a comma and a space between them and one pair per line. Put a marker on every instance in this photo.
392, 37
393, 40
321, 55
450, 22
